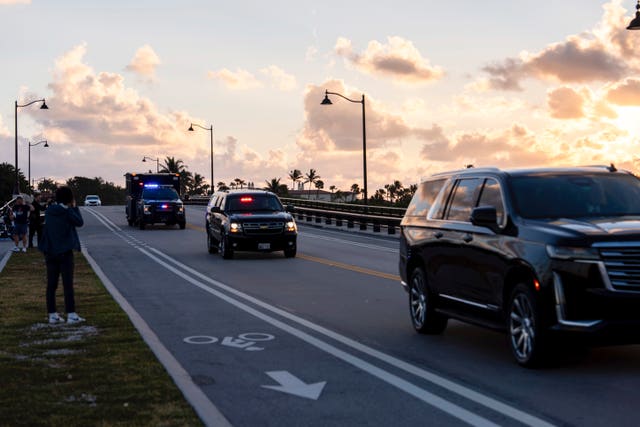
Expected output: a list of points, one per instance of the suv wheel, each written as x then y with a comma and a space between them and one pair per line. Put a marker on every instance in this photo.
182, 225
141, 224
225, 249
527, 337
423, 315
212, 245
290, 253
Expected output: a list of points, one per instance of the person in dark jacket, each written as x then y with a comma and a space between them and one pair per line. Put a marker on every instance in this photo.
35, 222
59, 240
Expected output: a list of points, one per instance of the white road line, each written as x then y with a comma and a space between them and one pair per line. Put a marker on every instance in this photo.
435, 379
205, 409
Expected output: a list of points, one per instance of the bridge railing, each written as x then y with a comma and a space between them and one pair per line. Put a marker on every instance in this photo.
373, 218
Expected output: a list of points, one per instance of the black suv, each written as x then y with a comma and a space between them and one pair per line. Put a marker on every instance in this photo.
159, 203
249, 220
540, 253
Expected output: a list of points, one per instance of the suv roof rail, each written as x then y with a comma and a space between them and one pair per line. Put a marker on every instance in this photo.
469, 169
610, 168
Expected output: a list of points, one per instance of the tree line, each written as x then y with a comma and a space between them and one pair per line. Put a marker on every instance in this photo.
193, 184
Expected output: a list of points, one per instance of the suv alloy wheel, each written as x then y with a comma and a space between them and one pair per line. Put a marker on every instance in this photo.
527, 339
423, 315
225, 250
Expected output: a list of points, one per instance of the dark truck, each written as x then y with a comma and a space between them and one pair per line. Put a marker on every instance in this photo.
154, 198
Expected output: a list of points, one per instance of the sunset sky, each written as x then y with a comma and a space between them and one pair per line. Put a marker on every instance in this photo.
495, 83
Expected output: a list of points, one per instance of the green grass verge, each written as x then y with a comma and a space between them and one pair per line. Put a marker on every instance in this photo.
96, 373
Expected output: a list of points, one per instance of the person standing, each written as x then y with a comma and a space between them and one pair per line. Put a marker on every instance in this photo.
19, 214
35, 222
59, 240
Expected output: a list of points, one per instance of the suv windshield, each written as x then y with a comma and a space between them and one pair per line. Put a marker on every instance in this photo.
253, 202
576, 196
160, 194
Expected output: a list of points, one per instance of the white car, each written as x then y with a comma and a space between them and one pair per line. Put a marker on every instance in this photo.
92, 200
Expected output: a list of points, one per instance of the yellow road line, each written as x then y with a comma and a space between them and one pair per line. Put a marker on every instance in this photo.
331, 263
350, 267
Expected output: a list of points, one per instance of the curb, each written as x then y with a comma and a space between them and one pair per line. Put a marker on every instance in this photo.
4, 260
206, 410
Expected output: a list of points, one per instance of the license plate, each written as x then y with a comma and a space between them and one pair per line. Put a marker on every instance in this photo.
264, 246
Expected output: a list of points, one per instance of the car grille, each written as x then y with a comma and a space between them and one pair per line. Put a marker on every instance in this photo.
262, 228
623, 267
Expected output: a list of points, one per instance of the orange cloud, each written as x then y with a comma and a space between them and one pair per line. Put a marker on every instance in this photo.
238, 80
566, 103
399, 59
626, 93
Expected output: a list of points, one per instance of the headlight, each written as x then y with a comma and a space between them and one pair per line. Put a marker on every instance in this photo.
567, 252
235, 227
146, 208
180, 208
291, 226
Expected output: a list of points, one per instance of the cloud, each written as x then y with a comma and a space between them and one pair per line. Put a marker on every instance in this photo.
339, 126
13, 2
626, 93
238, 80
144, 62
566, 103
399, 59
279, 78
512, 147
598, 55
274, 76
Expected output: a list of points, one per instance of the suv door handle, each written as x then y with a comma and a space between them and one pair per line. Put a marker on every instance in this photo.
467, 238
438, 234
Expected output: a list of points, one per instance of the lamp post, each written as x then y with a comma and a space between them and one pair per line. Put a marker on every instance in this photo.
210, 129
327, 101
46, 145
144, 159
16, 187
635, 22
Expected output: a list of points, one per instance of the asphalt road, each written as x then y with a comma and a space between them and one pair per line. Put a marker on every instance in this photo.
325, 338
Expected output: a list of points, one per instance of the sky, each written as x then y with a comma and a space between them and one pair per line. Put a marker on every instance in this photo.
496, 83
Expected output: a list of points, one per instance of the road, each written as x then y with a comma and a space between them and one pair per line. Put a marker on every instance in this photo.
325, 338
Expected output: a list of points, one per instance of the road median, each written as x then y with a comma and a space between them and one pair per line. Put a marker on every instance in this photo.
100, 372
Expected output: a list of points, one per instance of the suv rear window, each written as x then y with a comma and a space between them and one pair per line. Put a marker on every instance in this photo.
253, 202
576, 196
160, 194
424, 198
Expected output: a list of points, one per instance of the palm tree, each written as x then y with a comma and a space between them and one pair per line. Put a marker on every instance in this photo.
239, 182
273, 185
312, 177
198, 186
171, 165
355, 190
295, 176
319, 186
222, 186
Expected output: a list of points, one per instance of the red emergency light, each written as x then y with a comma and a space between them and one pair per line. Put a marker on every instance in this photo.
246, 199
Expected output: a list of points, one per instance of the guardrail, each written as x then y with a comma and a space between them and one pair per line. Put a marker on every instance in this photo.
374, 218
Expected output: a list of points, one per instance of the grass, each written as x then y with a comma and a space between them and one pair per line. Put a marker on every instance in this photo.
96, 373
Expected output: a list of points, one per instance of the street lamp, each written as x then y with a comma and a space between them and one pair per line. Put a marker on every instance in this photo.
327, 101
144, 159
16, 187
46, 145
635, 22
210, 129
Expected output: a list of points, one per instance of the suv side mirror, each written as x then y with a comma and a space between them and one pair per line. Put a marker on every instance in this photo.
215, 209
289, 208
485, 216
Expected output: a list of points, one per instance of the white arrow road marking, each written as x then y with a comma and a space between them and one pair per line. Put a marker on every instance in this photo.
294, 385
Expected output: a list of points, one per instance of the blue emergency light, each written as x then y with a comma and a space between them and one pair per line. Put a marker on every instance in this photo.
151, 186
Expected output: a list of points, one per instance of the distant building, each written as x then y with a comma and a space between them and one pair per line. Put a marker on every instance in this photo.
322, 195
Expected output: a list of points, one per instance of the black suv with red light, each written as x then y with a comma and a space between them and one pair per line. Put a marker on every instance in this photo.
249, 220
541, 253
